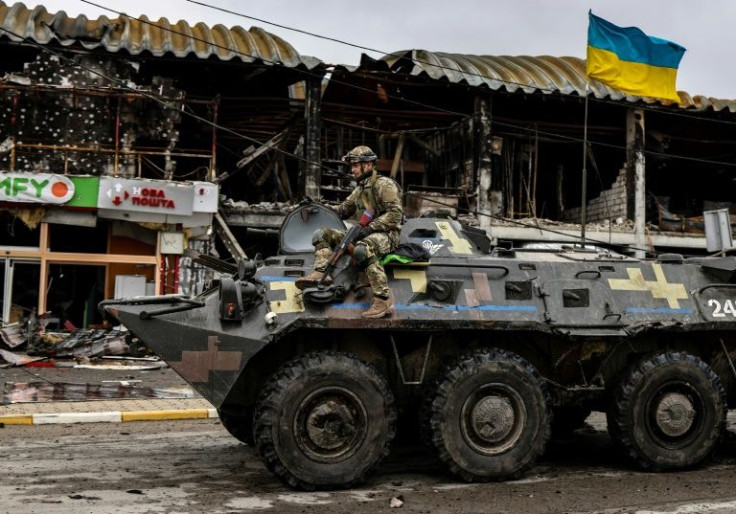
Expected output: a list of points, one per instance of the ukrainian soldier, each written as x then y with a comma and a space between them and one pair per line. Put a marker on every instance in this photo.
375, 204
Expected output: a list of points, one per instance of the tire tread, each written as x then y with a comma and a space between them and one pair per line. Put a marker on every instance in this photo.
269, 403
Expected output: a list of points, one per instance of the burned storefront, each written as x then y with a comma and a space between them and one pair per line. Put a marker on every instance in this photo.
509, 144
502, 138
114, 132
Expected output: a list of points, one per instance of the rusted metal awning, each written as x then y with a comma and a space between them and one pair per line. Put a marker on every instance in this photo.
140, 35
544, 74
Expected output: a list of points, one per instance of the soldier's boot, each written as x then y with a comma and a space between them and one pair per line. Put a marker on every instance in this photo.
312, 280
380, 307
321, 256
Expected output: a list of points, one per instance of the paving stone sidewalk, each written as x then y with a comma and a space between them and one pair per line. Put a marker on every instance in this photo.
110, 411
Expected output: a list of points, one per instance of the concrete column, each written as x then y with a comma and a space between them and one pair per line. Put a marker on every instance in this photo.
636, 166
483, 184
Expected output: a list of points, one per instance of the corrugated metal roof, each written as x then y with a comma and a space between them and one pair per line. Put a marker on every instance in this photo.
159, 38
544, 74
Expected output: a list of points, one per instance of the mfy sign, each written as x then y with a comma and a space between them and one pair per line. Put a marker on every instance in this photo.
35, 188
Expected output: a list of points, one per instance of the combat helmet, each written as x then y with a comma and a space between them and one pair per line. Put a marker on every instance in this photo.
360, 154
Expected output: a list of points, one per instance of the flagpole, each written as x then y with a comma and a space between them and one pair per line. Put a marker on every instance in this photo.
584, 180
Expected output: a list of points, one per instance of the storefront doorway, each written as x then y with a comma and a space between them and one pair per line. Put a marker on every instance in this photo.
73, 292
20, 278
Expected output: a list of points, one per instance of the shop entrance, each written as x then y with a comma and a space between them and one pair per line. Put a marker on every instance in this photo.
73, 292
20, 279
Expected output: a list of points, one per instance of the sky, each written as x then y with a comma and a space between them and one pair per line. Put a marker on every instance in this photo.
479, 27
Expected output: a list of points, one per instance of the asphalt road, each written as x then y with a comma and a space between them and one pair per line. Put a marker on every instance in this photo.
196, 466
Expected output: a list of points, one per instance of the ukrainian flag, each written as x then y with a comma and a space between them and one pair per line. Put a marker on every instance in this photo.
626, 59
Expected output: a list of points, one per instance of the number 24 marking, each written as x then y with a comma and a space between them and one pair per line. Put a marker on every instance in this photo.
721, 311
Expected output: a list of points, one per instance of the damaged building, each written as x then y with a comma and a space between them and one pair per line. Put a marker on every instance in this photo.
155, 137
111, 134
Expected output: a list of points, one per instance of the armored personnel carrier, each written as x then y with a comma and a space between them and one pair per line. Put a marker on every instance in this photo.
495, 345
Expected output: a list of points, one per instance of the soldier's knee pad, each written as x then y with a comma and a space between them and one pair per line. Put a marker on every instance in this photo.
360, 253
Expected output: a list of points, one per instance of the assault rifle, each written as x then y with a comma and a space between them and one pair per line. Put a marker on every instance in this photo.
339, 251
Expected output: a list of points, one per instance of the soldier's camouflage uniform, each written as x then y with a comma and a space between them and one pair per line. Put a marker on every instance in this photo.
383, 196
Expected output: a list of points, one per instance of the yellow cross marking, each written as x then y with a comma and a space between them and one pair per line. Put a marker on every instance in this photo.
459, 245
659, 288
293, 301
418, 279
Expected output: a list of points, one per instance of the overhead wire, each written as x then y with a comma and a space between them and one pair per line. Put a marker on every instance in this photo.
306, 73
433, 64
412, 102
408, 101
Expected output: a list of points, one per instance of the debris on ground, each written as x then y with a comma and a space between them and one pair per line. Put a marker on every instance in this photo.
396, 502
118, 362
12, 335
80, 343
40, 344
15, 359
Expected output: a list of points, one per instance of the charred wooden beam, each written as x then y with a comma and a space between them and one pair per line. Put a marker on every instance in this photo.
312, 114
228, 239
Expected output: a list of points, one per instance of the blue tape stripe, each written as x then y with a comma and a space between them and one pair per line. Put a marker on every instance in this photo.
518, 308
661, 310
464, 308
271, 278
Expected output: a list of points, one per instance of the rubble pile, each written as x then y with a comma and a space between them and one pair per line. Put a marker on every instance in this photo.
80, 343
28, 342
230, 205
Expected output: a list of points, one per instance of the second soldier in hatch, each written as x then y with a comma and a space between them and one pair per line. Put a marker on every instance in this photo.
376, 205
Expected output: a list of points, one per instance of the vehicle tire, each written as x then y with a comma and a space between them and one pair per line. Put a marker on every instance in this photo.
324, 421
669, 412
568, 418
489, 418
238, 421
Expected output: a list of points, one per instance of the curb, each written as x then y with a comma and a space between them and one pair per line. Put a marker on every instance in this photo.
106, 416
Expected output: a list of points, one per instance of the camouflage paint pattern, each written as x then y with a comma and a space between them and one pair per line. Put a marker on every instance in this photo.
579, 299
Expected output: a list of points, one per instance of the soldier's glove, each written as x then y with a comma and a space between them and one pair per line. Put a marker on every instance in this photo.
364, 232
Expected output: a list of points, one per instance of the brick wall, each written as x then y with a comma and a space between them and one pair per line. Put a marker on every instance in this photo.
610, 204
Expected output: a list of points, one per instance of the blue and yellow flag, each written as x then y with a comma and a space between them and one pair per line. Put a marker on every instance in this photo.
626, 59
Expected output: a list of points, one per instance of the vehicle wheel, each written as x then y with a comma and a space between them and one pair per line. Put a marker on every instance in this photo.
568, 418
489, 418
239, 422
669, 412
324, 420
